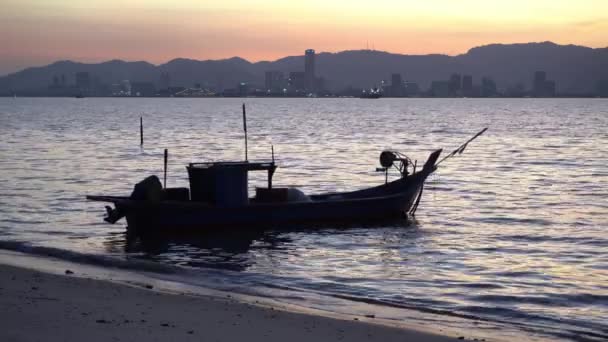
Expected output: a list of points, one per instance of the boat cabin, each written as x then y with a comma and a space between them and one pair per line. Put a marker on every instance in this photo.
226, 183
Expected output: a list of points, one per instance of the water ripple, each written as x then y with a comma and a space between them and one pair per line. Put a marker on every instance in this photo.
512, 231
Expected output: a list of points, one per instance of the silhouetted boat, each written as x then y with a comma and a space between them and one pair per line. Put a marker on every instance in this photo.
218, 196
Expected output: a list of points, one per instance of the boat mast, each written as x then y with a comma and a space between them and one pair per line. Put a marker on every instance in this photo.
245, 129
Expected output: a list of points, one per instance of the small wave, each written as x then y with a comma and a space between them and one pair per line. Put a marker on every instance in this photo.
530, 322
583, 240
516, 274
92, 259
548, 300
481, 286
13, 221
574, 330
507, 220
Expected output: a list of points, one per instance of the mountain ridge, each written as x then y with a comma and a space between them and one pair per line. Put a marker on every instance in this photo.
575, 68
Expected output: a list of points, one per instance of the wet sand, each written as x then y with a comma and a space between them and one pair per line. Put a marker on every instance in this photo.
38, 306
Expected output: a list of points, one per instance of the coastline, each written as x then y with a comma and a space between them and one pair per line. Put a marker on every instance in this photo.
52, 307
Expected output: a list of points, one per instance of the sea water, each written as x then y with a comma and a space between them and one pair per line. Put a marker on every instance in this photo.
510, 235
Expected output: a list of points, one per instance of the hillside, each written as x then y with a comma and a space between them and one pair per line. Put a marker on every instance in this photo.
576, 69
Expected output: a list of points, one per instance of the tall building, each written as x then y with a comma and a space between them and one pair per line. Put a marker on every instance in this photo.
539, 83
543, 87
320, 84
297, 81
467, 85
488, 87
602, 88
125, 87
142, 89
397, 88
440, 89
243, 89
165, 80
412, 89
274, 81
455, 85
83, 81
549, 89
309, 70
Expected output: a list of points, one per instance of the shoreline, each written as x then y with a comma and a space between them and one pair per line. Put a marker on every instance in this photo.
52, 307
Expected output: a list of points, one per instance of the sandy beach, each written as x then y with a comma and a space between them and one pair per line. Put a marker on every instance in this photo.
47, 307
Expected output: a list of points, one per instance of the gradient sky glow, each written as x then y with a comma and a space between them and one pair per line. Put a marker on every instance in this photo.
37, 32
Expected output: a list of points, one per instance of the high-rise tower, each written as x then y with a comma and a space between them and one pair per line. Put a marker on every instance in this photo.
309, 69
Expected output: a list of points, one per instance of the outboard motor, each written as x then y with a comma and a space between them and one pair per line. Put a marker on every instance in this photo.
393, 158
150, 189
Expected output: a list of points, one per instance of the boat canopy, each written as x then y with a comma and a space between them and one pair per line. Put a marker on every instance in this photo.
224, 183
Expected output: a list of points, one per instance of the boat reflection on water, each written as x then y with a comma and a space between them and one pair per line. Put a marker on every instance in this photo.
240, 249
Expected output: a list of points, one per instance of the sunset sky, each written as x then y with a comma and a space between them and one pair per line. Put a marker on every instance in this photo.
37, 32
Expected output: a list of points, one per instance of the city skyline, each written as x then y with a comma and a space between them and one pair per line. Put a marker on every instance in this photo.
38, 33
307, 83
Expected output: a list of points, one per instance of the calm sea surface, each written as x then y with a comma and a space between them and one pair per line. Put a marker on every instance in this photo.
512, 233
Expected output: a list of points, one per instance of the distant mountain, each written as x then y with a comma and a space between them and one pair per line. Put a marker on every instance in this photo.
576, 69
225, 73
35, 79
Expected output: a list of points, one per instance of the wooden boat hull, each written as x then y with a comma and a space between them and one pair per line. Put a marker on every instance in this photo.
388, 201
179, 216
176, 216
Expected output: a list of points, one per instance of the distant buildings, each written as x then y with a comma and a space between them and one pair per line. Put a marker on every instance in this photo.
274, 82
298, 83
397, 88
243, 89
440, 89
602, 88
303, 83
488, 87
541, 86
83, 82
462, 86
146, 89
467, 86
455, 85
412, 89
165, 80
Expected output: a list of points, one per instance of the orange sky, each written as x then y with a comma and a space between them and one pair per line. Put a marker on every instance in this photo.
37, 32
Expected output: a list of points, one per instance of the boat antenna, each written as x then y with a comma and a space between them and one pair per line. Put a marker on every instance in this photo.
272, 150
462, 147
245, 129
165, 168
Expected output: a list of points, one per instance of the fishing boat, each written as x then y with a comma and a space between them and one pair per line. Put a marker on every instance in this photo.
217, 197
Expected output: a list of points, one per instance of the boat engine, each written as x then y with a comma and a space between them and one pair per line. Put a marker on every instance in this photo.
400, 161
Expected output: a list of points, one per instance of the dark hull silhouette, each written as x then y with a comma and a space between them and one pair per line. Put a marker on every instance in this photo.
394, 199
